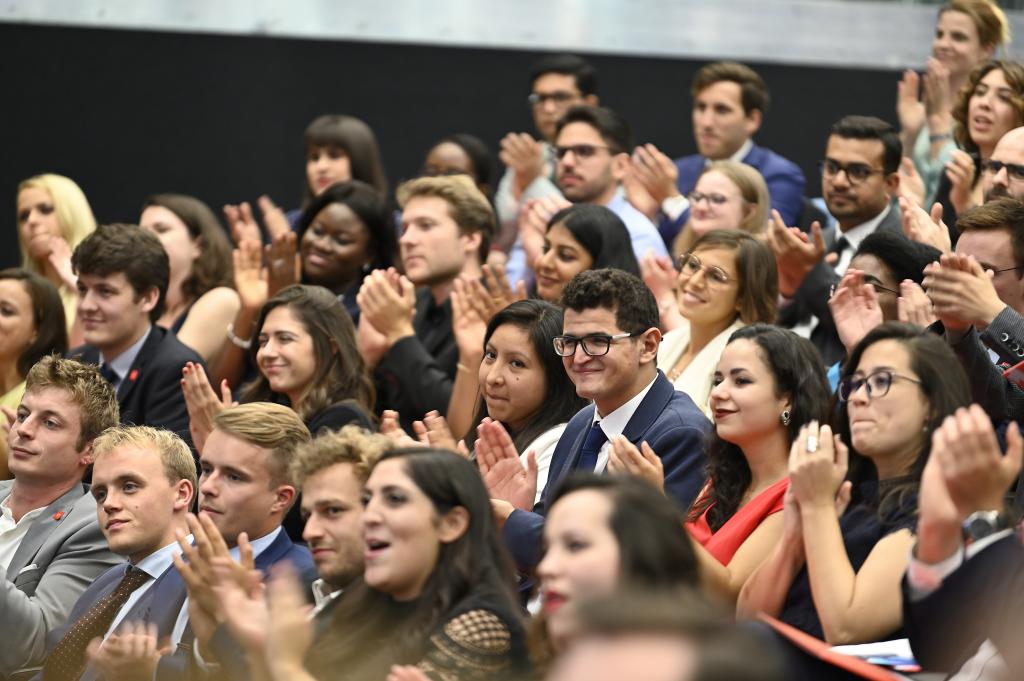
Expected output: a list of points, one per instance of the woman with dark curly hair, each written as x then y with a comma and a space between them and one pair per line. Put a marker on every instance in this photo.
768, 384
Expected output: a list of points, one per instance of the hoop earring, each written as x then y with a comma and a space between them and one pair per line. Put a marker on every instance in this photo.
784, 417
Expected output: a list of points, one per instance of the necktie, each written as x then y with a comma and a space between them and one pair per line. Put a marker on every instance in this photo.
67, 662
591, 446
108, 373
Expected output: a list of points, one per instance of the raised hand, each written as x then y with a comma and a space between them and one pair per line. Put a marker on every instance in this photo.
962, 292
637, 194
525, 157
129, 654
533, 223
437, 432
911, 183
291, 632
925, 228
909, 109
250, 274
468, 325
60, 259
938, 97
242, 223
818, 461
497, 286
202, 402
392, 429
913, 306
854, 308
274, 218
241, 598
795, 255
655, 171
283, 265
960, 170
504, 474
625, 458
387, 300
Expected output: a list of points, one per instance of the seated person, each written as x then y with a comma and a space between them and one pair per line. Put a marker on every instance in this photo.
726, 281
405, 333
200, 299
52, 546
462, 154
835, 574
123, 274
608, 347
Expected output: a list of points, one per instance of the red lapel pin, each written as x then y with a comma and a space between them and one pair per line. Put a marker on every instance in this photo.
133, 375
58, 515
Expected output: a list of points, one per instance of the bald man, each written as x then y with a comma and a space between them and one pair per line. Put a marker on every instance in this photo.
1004, 172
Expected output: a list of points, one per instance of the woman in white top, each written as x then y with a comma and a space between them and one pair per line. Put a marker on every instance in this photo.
728, 279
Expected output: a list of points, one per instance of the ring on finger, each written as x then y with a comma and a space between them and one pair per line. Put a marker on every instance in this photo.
812, 444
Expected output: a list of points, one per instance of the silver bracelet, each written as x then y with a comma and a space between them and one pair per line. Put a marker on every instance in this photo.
238, 342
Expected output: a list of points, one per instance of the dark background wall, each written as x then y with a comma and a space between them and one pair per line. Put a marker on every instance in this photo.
130, 113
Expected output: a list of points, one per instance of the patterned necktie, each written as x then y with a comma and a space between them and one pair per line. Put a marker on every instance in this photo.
67, 662
108, 373
591, 446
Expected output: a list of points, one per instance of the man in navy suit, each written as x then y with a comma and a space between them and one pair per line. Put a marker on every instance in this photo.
123, 274
609, 349
729, 104
144, 481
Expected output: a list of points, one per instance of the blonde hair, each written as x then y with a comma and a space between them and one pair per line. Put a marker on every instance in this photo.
753, 190
988, 18
71, 207
269, 426
352, 444
467, 206
96, 400
174, 453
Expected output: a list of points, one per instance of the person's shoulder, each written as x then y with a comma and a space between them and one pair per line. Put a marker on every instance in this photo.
769, 161
171, 350
84, 353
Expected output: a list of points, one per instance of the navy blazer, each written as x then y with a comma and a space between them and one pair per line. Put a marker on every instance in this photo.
178, 666
150, 395
982, 599
670, 423
784, 178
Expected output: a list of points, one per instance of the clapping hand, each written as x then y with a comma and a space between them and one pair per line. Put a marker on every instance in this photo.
818, 462
504, 474
202, 402
854, 308
625, 458
925, 228
795, 254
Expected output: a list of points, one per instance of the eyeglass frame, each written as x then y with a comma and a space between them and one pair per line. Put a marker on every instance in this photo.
852, 385
1014, 171
560, 98
878, 288
713, 198
581, 342
823, 167
705, 268
576, 149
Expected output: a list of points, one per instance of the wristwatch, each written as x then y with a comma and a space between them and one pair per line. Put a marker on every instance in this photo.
981, 524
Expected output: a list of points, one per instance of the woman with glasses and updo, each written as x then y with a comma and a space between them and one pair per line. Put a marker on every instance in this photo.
728, 195
727, 279
850, 511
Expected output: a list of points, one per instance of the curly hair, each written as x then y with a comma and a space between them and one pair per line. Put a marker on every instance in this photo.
1014, 74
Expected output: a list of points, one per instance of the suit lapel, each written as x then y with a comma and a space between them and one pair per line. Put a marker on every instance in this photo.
650, 408
41, 528
148, 350
277, 550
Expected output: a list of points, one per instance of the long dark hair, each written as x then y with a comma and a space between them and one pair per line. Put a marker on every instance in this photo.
541, 321
357, 140
943, 383
340, 370
655, 551
798, 372
47, 316
602, 233
369, 631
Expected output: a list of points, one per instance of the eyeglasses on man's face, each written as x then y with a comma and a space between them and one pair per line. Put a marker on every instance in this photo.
594, 344
855, 172
1014, 171
877, 383
580, 151
560, 98
689, 265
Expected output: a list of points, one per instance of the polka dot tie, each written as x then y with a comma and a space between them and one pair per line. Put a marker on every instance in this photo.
67, 662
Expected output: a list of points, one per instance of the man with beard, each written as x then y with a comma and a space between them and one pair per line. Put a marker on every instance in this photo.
1003, 174
858, 181
405, 328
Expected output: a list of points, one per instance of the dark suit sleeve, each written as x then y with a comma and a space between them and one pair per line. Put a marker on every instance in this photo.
982, 599
786, 185
414, 381
1000, 398
1005, 336
681, 450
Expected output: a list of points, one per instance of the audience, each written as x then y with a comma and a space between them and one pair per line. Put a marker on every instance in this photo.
580, 237
200, 298
730, 101
345, 233
123, 274
53, 218
51, 546
726, 281
768, 385
850, 510
967, 33
462, 154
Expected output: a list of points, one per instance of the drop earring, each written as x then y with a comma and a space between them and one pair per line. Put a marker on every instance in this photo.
784, 417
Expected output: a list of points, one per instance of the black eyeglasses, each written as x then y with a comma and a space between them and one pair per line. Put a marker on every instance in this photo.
877, 383
689, 265
855, 172
713, 199
875, 285
1014, 170
595, 345
580, 150
559, 98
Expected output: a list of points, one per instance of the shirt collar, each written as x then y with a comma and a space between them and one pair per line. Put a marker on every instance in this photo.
259, 545
156, 563
740, 154
857, 234
614, 423
123, 362
322, 593
7, 512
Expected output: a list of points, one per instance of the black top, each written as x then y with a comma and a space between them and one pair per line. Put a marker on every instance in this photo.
862, 527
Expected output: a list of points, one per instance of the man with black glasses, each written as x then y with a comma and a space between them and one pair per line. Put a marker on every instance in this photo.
859, 181
609, 349
1003, 174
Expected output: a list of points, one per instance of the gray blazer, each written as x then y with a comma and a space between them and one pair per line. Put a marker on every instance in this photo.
62, 554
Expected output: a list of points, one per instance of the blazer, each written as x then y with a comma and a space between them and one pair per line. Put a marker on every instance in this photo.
812, 299
58, 558
784, 178
150, 394
670, 423
982, 599
229, 654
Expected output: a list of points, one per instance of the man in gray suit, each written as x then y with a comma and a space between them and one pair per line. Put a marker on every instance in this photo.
51, 547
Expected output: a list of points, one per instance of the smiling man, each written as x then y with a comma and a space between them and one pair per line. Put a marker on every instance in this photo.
123, 274
609, 348
51, 547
